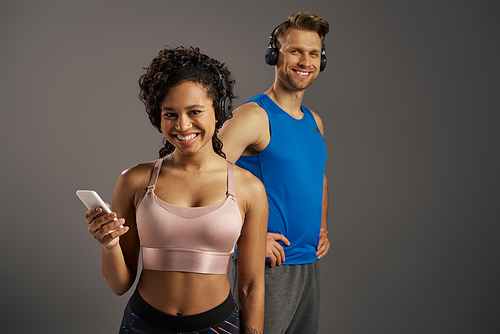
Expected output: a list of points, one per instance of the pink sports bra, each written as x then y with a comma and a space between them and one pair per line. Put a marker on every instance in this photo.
188, 239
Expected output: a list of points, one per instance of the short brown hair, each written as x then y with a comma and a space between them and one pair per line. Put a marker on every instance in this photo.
303, 21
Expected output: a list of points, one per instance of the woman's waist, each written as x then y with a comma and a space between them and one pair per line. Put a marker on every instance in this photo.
181, 293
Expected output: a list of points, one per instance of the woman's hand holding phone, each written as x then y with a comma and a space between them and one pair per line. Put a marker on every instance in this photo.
102, 223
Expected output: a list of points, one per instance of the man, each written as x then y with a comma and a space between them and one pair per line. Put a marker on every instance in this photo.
281, 142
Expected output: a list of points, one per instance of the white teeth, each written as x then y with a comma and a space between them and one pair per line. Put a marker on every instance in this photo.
302, 73
187, 137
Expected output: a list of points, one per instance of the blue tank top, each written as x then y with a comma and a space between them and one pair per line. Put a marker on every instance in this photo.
292, 169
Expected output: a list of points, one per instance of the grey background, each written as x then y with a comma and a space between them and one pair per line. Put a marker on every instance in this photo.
409, 101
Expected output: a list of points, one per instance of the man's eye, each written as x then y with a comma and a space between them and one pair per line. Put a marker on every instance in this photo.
195, 112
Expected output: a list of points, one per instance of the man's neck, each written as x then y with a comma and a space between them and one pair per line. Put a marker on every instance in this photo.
288, 100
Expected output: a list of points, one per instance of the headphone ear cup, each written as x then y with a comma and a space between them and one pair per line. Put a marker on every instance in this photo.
271, 55
323, 60
272, 52
225, 107
224, 101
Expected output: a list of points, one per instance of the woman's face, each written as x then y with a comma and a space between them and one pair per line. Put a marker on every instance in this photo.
188, 118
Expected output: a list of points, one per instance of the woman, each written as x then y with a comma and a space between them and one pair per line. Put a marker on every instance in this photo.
186, 211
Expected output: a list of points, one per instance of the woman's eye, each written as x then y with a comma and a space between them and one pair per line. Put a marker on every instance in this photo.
169, 115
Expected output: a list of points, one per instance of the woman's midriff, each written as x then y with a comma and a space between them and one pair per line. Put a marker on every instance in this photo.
179, 293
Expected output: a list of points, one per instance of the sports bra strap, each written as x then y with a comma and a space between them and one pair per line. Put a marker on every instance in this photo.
155, 173
230, 179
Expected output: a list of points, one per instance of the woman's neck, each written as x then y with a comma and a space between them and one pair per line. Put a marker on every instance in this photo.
197, 161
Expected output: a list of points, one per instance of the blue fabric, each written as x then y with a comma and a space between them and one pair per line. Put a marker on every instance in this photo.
292, 169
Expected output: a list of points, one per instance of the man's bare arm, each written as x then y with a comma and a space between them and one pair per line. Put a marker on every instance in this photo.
247, 132
324, 243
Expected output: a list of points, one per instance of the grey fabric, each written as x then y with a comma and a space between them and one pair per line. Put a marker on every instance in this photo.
292, 299
232, 275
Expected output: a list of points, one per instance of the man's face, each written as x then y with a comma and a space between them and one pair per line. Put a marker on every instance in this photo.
299, 58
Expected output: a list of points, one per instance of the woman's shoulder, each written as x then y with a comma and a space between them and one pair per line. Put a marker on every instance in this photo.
247, 183
137, 175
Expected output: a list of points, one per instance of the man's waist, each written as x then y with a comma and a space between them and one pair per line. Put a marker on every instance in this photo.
299, 255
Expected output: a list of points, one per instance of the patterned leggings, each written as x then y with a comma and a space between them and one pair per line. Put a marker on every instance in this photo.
141, 318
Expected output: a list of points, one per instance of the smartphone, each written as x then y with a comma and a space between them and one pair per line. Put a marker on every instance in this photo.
92, 200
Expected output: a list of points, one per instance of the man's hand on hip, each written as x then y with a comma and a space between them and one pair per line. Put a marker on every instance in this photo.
274, 250
324, 244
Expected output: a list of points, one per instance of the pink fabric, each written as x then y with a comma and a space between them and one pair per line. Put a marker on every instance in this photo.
197, 239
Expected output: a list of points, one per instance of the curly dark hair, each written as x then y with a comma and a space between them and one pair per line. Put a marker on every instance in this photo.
173, 66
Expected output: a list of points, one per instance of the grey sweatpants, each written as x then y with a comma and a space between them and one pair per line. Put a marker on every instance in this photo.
292, 298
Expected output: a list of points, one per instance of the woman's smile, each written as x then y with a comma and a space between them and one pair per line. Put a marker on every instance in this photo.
187, 139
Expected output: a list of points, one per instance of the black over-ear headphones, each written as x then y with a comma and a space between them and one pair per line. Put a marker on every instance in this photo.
224, 101
272, 52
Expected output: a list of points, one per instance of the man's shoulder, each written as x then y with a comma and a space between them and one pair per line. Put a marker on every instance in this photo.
318, 121
311, 111
246, 132
250, 112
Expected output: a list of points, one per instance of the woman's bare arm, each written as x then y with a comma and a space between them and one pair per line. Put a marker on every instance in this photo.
252, 256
